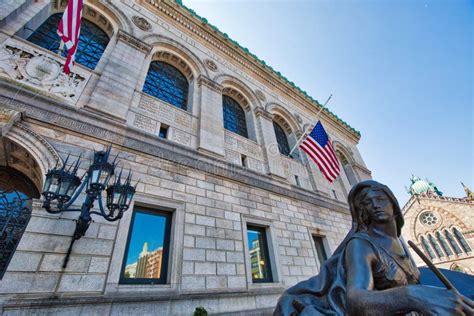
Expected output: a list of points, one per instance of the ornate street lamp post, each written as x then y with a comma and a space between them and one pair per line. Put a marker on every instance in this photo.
65, 186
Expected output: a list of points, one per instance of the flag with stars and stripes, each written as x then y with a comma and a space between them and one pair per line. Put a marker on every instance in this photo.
69, 29
319, 147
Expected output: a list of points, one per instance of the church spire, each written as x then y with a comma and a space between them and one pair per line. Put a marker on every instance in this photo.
469, 193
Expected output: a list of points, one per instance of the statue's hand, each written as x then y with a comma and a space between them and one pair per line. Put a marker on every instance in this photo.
437, 301
304, 310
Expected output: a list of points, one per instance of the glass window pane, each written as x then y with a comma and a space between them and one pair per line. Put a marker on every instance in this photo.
234, 116
318, 243
147, 251
91, 46
167, 83
282, 140
258, 251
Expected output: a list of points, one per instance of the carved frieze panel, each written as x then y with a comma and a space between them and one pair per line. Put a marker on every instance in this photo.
243, 145
169, 114
41, 70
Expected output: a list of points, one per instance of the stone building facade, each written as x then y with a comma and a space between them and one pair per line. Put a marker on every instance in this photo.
208, 148
442, 226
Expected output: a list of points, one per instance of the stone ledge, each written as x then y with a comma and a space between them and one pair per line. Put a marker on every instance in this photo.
130, 297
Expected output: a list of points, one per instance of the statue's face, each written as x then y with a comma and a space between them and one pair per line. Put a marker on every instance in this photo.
378, 205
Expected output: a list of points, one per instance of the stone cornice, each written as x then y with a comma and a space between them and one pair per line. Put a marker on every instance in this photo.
205, 81
191, 24
133, 42
58, 115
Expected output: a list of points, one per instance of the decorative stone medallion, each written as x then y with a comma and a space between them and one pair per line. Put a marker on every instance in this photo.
141, 22
211, 65
260, 95
42, 69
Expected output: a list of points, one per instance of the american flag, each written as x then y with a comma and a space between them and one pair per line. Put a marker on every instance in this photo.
319, 147
69, 29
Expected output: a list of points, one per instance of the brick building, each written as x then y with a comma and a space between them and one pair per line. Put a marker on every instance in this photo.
205, 127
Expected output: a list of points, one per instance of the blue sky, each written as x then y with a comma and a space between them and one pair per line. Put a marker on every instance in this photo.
146, 228
401, 73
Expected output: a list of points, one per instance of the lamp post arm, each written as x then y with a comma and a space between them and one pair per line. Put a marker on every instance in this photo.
103, 213
77, 193
47, 207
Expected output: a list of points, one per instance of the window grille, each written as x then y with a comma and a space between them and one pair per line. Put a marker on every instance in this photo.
92, 40
234, 116
167, 83
282, 140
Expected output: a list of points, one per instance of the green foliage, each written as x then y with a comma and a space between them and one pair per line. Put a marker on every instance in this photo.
200, 311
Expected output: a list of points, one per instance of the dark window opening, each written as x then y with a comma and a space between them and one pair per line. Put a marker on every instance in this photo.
297, 180
259, 258
244, 161
147, 251
234, 116
167, 83
282, 140
320, 250
163, 131
335, 194
91, 46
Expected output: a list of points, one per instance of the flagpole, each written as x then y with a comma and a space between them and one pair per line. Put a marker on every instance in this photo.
309, 128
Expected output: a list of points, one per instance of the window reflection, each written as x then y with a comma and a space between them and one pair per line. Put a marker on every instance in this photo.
148, 246
258, 251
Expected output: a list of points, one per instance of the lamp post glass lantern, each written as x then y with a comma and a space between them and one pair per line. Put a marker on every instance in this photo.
63, 184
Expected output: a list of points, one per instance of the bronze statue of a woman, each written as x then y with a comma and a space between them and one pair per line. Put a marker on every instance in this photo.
371, 272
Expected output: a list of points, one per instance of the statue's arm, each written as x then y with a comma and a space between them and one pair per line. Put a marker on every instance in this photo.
360, 258
363, 300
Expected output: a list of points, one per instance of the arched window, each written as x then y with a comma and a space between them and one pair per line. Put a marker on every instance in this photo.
444, 244
282, 140
347, 169
465, 246
92, 40
234, 116
16, 192
427, 247
452, 242
167, 83
435, 246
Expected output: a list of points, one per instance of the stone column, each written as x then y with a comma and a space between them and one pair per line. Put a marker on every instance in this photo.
270, 143
211, 131
114, 90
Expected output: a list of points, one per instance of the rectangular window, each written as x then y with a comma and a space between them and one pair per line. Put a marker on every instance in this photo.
258, 251
146, 254
319, 244
244, 161
335, 194
163, 131
297, 179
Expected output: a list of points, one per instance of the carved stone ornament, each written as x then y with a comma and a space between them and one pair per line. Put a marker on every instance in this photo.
211, 65
298, 118
260, 95
7, 118
141, 23
40, 70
